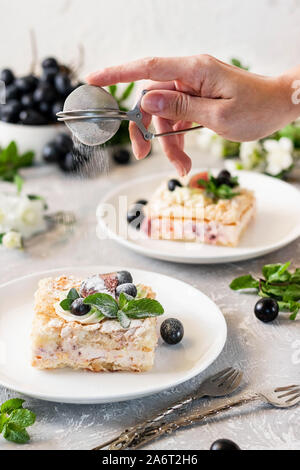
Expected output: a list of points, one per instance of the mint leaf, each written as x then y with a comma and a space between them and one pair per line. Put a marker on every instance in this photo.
219, 191
123, 319
1, 237
73, 294
14, 433
11, 162
276, 272
296, 276
12, 404
19, 182
3, 419
124, 299
127, 92
143, 308
244, 282
105, 303
112, 90
22, 418
66, 304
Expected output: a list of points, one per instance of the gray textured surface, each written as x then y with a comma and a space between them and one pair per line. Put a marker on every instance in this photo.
268, 354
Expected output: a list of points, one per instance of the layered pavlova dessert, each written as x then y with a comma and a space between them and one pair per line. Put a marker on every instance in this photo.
206, 209
103, 323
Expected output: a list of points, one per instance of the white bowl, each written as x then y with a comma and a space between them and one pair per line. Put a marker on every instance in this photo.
29, 137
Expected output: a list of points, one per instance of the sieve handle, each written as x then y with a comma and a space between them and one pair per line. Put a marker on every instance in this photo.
136, 116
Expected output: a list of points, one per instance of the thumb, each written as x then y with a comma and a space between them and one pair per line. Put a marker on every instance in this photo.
179, 106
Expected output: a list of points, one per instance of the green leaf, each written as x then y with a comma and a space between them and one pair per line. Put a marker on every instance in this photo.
22, 418
143, 308
105, 303
295, 277
1, 237
127, 92
238, 63
14, 433
19, 182
124, 299
276, 272
66, 304
73, 294
113, 90
11, 162
123, 319
3, 420
216, 191
12, 404
244, 282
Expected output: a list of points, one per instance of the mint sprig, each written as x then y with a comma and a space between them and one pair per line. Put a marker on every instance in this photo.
128, 308
14, 419
219, 191
278, 283
11, 161
123, 310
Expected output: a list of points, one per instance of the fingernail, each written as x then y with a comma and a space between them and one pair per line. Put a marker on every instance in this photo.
153, 103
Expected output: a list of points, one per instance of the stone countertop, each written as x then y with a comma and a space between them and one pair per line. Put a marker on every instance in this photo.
269, 354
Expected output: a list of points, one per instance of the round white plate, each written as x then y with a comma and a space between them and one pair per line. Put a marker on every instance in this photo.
277, 222
205, 336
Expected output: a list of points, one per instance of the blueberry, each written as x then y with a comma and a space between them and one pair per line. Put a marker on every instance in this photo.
224, 444
266, 309
31, 117
10, 111
11, 92
122, 157
51, 153
172, 331
56, 108
124, 277
27, 101
224, 177
135, 215
172, 184
143, 202
45, 92
69, 163
7, 76
48, 75
64, 143
63, 84
26, 84
127, 288
79, 308
45, 108
50, 63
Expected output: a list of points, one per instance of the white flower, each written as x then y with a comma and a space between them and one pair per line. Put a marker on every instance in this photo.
250, 154
29, 217
279, 155
209, 141
12, 239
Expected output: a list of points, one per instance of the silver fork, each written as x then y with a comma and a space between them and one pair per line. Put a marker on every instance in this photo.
218, 385
281, 397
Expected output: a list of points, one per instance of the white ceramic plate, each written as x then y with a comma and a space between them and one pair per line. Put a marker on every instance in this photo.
277, 222
205, 336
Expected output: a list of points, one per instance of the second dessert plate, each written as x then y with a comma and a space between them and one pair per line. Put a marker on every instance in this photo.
277, 222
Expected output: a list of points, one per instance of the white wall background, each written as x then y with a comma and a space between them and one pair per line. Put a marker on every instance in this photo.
264, 33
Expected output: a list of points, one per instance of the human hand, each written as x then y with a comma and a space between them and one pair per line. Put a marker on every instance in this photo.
236, 104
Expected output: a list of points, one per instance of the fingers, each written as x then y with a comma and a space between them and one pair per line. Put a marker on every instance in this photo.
177, 106
140, 146
151, 68
172, 147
